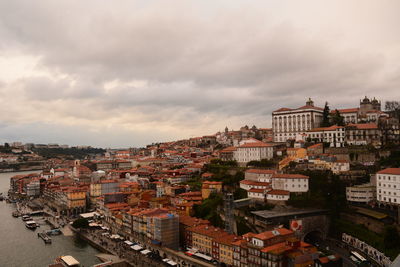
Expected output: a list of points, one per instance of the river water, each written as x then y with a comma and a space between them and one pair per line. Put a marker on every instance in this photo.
20, 247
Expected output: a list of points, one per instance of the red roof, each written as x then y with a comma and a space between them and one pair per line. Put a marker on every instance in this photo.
282, 109
255, 144
346, 110
270, 234
261, 171
279, 192
274, 247
228, 149
394, 171
212, 182
331, 128
289, 176
310, 107
255, 190
316, 145
364, 126
248, 182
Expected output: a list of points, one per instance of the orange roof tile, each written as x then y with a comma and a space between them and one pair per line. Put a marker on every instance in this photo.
279, 192
393, 171
261, 171
289, 176
364, 126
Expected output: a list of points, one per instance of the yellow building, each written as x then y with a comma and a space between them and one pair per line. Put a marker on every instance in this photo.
297, 153
225, 247
202, 237
209, 187
94, 192
76, 198
293, 154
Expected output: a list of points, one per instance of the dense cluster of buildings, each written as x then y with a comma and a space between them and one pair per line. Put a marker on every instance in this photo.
150, 194
364, 125
384, 189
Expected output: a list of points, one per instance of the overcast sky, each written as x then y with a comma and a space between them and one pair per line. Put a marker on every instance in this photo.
128, 73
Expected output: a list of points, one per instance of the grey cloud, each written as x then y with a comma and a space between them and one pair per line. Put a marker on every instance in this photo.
195, 64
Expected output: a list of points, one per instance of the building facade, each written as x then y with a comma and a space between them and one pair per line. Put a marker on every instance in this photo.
288, 123
388, 186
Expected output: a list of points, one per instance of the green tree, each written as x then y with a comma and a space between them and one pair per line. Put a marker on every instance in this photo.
391, 237
80, 223
262, 163
239, 193
208, 209
325, 116
338, 119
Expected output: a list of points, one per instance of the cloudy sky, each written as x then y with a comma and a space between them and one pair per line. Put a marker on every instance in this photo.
128, 73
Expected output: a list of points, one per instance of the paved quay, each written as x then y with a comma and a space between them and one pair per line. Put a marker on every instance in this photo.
135, 258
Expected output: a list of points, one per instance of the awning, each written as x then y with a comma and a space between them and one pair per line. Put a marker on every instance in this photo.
116, 237
136, 247
145, 252
201, 255
89, 215
129, 243
172, 263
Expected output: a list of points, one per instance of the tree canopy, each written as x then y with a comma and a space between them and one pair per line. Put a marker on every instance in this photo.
325, 116
338, 119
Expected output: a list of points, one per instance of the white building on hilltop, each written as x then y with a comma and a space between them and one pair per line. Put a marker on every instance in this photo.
388, 186
334, 135
255, 150
288, 123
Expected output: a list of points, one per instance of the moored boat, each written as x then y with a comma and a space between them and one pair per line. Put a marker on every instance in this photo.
26, 218
45, 237
54, 232
31, 225
15, 214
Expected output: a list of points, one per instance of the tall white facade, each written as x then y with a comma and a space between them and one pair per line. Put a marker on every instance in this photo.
253, 151
288, 123
334, 135
388, 186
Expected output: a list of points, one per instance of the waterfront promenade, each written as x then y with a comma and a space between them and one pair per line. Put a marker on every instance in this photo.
117, 248
135, 258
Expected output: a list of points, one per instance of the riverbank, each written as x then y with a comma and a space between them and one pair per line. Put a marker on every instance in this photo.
20, 246
136, 258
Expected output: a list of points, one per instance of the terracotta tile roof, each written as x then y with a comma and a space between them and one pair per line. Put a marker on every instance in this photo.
273, 233
289, 176
261, 171
207, 230
278, 192
363, 126
283, 109
227, 239
394, 171
228, 149
276, 247
310, 107
212, 182
346, 110
256, 190
331, 128
249, 182
255, 144
315, 146
324, 259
